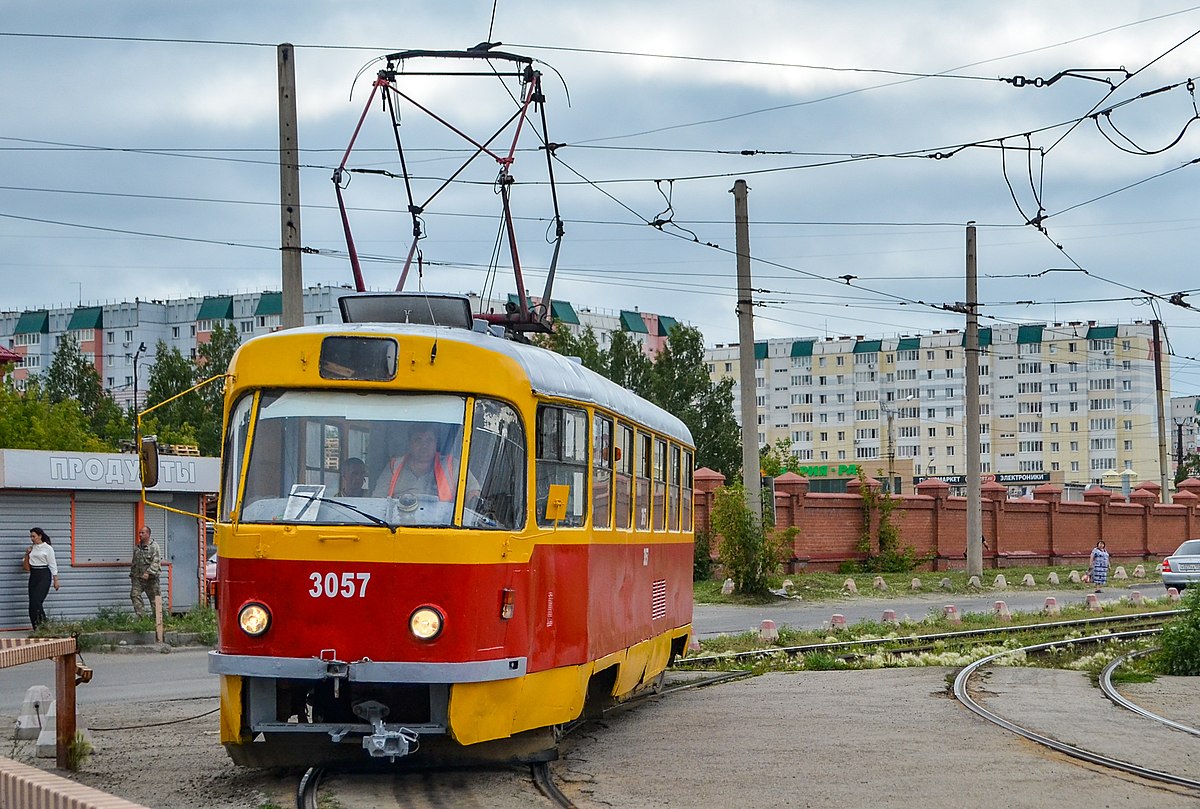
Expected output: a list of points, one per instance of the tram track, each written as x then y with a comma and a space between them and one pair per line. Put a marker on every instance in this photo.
540, 773
912, 644
1110, 691
962, 692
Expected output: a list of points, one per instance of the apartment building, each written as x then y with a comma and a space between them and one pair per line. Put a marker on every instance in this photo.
1061, 402
119, 338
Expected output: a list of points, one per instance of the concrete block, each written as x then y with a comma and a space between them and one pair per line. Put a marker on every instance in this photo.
727, 587
1001, 610
1074, 578
879, 584
1000, 583
47, 741
1028, 581
1052, 607
1093, 603
946, 584
916, 584
837, 621
694, 645
1139, 572
1052, 579
789, 586
1136, 598
974, 583
1172, 594
768, 631
952, 615
1119, 573
36, 707
849, 586
889, 617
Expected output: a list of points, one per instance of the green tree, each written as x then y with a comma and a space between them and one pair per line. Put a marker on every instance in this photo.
71, 377
777, 458
1180, 639
213, 358
679, 383
749, 552
627, 363
172, 374
585, 346
29, 420
1188, 468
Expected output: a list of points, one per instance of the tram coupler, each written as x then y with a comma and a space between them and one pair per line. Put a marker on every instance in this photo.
392, 742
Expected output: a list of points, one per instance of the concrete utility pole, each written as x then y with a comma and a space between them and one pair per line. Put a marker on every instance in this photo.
1162, 417
751, 473
971, 397
289, 191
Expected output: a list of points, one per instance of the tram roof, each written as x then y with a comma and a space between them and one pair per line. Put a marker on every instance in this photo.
549, 373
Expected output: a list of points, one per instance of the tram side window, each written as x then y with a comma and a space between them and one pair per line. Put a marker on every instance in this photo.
497, 462
644, 471
235, 454
562, 444
686, 495
673, 491
660, 484
624, 477
602, 452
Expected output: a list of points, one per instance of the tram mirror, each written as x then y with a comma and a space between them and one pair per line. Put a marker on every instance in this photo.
556, 502
148, 450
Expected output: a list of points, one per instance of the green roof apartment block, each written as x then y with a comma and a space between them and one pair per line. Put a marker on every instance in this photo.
1102, 333
91, 317
909, 344
1029, 334
802, 348
216, 309
632, 322
269, 303
33, 323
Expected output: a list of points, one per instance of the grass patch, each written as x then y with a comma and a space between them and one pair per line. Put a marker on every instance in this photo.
820, 586
201, 620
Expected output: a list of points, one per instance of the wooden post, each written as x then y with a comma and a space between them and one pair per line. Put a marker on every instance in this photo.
158, 618
64, 730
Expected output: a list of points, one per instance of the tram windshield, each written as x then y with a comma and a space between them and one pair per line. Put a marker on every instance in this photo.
388, 459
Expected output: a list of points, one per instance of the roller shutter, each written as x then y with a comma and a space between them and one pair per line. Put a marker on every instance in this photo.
19, 513
104, 528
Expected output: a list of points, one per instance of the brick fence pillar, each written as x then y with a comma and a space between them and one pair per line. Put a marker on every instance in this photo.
707, 481
939, 490
1051, 495
995, 495
1146, 496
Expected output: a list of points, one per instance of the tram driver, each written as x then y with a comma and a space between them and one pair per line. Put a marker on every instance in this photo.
422, 474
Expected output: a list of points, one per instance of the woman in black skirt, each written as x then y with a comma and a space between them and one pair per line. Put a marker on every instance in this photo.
43, 569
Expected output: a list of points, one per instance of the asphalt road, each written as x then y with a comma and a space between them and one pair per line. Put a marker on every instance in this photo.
183, 674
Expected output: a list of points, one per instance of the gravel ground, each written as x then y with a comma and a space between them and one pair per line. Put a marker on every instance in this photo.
884, 738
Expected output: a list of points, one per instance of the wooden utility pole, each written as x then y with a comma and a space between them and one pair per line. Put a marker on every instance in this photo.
1161, 416
289, 191
971, 398
751, 473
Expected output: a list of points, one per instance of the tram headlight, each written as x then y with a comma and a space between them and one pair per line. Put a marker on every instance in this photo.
425, 623
254, 619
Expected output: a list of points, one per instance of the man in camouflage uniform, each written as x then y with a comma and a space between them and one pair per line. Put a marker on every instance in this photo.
143, 573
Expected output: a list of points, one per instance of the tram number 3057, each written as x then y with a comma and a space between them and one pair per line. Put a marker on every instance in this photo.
330, 585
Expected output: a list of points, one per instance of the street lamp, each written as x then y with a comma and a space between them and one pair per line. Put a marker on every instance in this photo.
141, 349
890, 412
1126, 475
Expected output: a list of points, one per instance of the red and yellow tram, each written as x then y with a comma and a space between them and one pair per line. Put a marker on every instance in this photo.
521, 544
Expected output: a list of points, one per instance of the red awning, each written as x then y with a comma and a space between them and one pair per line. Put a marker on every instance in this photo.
7, 355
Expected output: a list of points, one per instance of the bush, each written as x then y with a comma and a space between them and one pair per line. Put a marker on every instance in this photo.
748, 553
702, 561
1180, 654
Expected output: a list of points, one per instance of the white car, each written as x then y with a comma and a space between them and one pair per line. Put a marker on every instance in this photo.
1182, 568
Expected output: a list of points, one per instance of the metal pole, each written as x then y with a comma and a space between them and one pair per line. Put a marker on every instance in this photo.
751, 473
891, 438
1164, 493
289, 192
971, 397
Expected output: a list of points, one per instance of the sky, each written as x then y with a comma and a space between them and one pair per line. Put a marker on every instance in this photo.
139, 151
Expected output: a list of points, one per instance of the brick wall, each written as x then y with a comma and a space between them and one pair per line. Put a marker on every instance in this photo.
1042, 531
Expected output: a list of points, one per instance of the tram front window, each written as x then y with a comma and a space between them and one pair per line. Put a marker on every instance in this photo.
344, 458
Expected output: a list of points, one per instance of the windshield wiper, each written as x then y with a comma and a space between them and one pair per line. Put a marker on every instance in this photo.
312, 498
